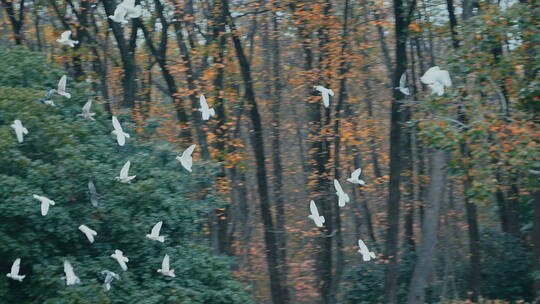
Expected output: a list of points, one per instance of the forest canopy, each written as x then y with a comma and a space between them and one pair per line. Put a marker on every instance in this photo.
295, 151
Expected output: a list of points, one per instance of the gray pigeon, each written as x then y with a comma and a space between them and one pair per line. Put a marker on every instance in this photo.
94, 196
109, 277
47, 98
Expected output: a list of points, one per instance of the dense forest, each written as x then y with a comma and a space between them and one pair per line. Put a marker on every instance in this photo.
271, 151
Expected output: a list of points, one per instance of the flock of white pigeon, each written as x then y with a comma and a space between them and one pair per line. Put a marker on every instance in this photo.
185, 160
434, 77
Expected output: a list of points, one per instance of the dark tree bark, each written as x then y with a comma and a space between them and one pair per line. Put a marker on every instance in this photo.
427, 250
474, 234
343, 69
402, 16
159, 52
276, 144
319, 146
474, 275
278, 289
453, 23
126, 47
16, 19
408, 180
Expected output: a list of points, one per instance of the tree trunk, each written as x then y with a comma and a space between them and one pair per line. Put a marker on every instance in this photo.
279, 294
340, 256
16, 19
392, 230
426, 252
127, 54
276, 151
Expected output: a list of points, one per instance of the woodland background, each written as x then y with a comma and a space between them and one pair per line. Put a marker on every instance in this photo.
451, 204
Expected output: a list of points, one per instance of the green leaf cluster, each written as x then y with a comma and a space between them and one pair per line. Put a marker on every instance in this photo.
57, 158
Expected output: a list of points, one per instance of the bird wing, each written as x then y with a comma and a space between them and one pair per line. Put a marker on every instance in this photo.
18, 132
326, 99
330, 92
121, 138
91, 187
313, 209
403, 80
156, 228
437, 88
68, 269
116, 124
320, 88
362, 245
16, 266
337, 186
119, 13
202, 101
65, 35
165, 264
44, 207
114, 275
62, 84
128, 3
429, 75
356, 173
444, 78
125, 170
188, 151
86, 107
49, 94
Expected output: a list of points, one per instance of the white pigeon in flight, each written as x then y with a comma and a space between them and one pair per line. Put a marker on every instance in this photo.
65, 40
119, 15
88, 232
366, 254
86, 114
109, 277
126, 10
119, 132
354, 179
437, 80
14, 274
165, 268
20, 131
124, 178
154, 234
47, 98
118, 255
326, 93
94, 196
186, 160
205, 110
319, 220
403, 84
70, 277
343, 197
61, 89
45, 203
